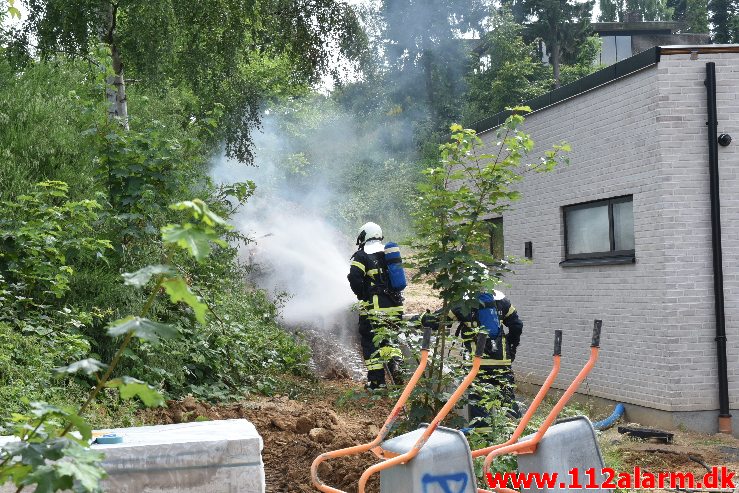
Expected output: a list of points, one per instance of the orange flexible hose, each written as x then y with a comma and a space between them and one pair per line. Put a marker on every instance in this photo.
402, 459
529, 446
529, 412
357, 449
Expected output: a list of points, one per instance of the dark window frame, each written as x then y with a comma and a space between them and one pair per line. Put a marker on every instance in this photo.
611, 236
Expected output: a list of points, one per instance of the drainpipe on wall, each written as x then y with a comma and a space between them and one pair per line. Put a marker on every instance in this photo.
724, 416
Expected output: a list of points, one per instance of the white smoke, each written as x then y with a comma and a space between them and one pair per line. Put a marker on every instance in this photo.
296, 254
295, 251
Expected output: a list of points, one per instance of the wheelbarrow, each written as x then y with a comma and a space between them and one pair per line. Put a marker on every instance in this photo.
568, 446
436, 459
419, 437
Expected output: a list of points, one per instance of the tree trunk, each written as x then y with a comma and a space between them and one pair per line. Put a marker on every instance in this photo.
116, 84
116, 94
429, 79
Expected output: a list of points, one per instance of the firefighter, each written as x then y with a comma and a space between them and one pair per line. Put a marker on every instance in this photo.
369, 282
496, 364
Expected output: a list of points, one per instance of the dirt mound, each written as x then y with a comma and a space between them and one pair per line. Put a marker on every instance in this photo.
296, 432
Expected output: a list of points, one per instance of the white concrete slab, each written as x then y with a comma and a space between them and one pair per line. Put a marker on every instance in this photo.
204, 457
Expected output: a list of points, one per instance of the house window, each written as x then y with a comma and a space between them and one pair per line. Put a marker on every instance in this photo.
492, 243
496, 237
613, 49
600, 229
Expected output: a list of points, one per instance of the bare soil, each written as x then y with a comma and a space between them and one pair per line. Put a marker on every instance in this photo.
339, 414
689, 452
295, 432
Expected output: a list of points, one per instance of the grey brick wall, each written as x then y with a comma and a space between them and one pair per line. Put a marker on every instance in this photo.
643, 135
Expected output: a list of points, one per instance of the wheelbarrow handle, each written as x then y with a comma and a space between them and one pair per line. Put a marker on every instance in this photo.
558, 342
597, 324
426, 342
482, 339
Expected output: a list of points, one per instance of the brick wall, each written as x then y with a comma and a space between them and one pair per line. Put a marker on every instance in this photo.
643, 135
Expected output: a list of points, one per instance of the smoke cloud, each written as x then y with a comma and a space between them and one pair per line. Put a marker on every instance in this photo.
298, 253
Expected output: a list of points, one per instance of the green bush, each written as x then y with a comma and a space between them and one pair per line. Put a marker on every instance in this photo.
27, 361
44, 111
64, 245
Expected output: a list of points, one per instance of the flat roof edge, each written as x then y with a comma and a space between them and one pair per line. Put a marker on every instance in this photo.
618, 70
700, 49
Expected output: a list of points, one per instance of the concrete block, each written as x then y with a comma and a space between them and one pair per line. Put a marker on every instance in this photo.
204, 457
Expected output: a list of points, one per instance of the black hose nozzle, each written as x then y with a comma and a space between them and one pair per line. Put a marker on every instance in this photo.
596, 333
558, 342
426, 342
482, 338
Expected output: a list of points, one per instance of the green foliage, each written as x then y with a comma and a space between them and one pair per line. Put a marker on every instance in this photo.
131, 387
583, 63
39, 234
510, 70
27, 364
695, 14
88, 366
13, 11
143, 169
650, 10
195, 238
47, 459
242, 349
562, 24
423, 45
43, 109
496, 428
724, 18
143, 328
44, 439
471, 181
235, 54
178, 290
364, 160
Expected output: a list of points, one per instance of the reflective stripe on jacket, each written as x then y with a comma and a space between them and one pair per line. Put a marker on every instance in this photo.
366, 278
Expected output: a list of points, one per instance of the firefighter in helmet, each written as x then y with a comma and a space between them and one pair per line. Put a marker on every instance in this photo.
500, 351
368, 279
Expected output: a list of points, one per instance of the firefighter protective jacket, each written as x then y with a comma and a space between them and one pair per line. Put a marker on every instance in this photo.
506, 344
368, 280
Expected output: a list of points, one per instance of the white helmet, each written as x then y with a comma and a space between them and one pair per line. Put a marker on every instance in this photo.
370, 231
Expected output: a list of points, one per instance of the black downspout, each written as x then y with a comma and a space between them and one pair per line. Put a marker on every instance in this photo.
724, 417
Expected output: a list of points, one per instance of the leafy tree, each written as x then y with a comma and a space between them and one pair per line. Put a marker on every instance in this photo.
724, 17
563, 25
694, 13
609, 10
509, 70
470, 181
424, 46
584, 61
648, 10
42, 124
224, 51
38, 235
